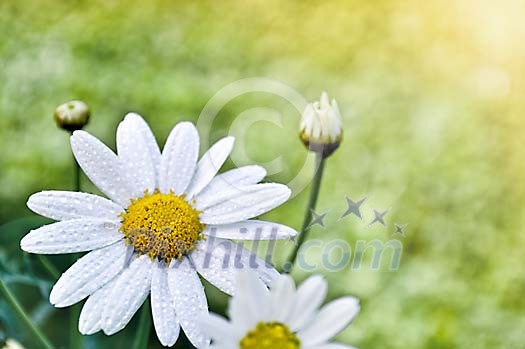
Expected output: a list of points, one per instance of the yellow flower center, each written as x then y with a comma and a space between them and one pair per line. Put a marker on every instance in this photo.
163, 226
270, 335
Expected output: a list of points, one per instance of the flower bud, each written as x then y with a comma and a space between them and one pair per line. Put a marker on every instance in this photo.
72, 115
322, 126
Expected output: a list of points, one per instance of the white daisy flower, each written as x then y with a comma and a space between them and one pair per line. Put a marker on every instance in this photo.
282, 317
169, 218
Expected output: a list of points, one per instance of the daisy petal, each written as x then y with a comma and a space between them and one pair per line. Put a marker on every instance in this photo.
128, 294
221, 261
149, 138
90, 318
309, 298
77, 235
235, 178
88, 274
220, 329
245, 175
189, 299
179, 158
210, 164
237, 205
65, 205
332, 319
282, 296
139, 154
166, 323
250, 230
102, 167
252, 305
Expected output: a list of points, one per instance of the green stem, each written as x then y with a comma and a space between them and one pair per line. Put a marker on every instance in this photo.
17, 307
51, 269
75, 339
76, 174
314, 194
142, 337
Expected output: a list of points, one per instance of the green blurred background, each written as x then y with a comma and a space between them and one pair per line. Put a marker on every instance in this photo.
430, 93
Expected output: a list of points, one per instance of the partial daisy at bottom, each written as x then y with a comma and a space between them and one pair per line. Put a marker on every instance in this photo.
169, 218
281, 317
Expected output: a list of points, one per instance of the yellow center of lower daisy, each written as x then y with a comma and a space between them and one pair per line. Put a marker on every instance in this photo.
163, 226
270, 335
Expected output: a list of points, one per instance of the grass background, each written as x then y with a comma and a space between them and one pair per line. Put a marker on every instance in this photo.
431, 95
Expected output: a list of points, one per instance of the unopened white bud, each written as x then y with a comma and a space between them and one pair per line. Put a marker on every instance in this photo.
322, 126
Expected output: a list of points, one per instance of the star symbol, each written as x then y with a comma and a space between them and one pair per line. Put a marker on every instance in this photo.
400, 229
353, 208
379, 217
316, 219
